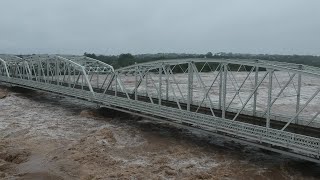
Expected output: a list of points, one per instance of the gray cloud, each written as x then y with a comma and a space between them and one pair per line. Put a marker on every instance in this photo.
148, 26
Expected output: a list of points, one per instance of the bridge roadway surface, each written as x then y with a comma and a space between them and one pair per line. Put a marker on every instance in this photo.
297, 140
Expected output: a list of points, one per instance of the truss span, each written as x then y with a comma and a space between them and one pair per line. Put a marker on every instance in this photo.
268, 104
264, 89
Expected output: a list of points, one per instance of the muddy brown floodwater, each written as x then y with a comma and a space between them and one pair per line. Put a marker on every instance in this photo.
44, 136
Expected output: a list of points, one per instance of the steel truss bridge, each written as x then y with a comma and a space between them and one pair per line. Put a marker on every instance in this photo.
269, 105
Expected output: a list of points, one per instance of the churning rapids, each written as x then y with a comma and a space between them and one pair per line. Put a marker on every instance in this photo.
44, 136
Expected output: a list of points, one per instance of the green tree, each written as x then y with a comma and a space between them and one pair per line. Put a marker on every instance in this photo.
125, 60
90, 55
209, 55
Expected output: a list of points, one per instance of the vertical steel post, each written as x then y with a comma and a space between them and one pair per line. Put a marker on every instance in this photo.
167, 83
160, 84
5, 67
220, 86
69, 79
48, 71
74, 78
256, 77
21, 71
57, 72
190, 85
39, 71
146, 76
24, 71
136, 82
298, 94
29, 72
82, 81
224, 89
87, 80
116, 88
97, 78
271, 71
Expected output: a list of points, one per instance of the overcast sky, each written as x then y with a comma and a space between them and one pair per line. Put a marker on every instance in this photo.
150, 26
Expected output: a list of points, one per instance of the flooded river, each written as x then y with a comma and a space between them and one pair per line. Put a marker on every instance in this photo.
44, 136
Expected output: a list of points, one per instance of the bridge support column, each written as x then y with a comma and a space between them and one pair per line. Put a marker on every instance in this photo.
298, 94
271, 71
190, 85
256, 77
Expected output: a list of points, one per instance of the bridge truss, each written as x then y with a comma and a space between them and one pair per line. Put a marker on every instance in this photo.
271, 105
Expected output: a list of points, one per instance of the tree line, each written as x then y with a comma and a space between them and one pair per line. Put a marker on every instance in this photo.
127, 59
